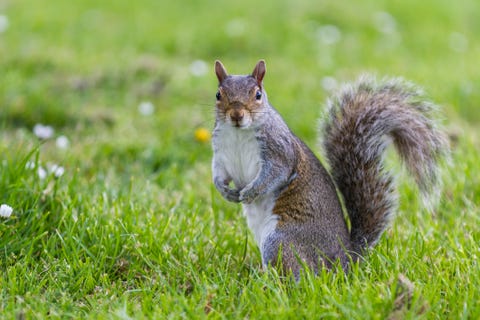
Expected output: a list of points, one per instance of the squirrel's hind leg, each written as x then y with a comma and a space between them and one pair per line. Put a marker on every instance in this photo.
288, 256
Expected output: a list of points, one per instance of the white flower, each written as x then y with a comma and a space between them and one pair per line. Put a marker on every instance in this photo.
30, 165
3, 23
235, 28
42, 173
57, 170
458, 42
5, 211
62, 142
385, 22
467, 88
146, 108
198, 68
43, 132
329, 83
329, 34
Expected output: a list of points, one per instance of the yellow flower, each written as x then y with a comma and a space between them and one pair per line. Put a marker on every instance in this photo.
202, 135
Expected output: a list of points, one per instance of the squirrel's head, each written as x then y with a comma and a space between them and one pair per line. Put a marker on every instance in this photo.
240, 99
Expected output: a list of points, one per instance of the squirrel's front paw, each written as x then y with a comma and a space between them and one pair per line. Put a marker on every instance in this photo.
231, 194
228, 193
247, 195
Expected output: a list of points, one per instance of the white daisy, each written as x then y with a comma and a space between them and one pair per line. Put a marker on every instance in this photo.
5, 211
43, 132
3, 23
198, 68
42, 173
329, 34
146, 108
57, 170
62, 142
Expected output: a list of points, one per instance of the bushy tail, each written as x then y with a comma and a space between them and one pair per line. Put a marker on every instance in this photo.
362, 121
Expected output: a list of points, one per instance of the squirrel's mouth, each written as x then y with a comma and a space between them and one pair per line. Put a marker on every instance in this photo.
240, 124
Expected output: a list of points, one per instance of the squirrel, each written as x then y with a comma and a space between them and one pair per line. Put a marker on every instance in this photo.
289, 199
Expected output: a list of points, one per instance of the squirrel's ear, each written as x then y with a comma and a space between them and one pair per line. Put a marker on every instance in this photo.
220, 71
259, 71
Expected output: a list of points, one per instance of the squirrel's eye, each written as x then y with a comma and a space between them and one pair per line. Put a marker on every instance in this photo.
218, 95
258, 95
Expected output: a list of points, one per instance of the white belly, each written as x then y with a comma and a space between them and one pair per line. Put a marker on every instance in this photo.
239, 152
260, 218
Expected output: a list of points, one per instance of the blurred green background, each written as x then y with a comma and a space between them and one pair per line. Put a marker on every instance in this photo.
80, 62
134, 226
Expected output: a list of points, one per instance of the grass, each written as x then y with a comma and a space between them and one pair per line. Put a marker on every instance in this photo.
134, 227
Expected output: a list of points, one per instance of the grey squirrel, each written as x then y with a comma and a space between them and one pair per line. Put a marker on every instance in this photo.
289, 199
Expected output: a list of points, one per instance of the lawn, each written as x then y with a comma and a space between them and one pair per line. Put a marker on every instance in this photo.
102, 161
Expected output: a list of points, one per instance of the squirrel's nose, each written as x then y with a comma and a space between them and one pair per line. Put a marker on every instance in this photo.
236, 116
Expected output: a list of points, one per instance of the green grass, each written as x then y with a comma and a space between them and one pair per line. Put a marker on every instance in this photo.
134, 227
